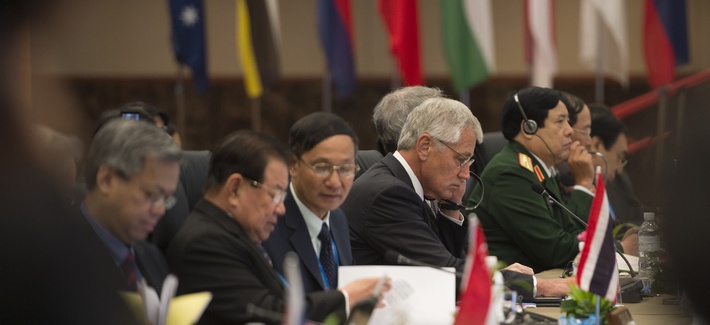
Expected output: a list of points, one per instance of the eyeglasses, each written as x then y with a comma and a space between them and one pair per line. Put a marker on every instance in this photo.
156, 199
276, 194
585, 132
463, 159
325, 169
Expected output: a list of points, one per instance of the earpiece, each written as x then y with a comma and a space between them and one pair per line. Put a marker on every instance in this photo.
529, 126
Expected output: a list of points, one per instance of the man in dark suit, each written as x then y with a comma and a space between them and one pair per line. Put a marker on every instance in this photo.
323, 146
219, 248
388, 208
132, 170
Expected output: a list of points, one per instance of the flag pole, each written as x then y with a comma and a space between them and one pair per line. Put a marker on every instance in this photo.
180, 102
597, 299
396, 80
256, 113
599, 81
465, 97
327, 91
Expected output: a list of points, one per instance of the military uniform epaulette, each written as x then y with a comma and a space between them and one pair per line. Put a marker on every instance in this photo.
526, 162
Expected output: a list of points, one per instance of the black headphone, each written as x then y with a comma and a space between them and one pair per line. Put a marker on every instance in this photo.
530, 126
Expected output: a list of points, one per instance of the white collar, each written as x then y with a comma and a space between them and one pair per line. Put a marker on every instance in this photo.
415, 181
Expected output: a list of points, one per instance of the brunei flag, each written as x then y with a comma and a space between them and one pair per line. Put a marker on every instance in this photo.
665, 39
258, 44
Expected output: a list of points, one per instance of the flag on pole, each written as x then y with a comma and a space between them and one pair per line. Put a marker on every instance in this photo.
188, 38
608, 40
467, 26
541, 48
258, 44
597, 272
401, 19
336, 36
665, 39
476, 283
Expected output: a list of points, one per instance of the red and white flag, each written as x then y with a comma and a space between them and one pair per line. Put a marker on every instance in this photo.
476, 282
597, 272
541, 47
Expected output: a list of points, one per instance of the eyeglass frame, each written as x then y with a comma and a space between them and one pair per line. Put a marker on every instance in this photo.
468, 160
277, 195
158, 200
331, 168
587, 133
155, 199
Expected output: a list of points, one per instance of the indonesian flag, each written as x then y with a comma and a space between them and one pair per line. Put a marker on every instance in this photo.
476, 284
597, 272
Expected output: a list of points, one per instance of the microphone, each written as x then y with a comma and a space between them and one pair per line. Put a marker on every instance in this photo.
394, 257
539, 189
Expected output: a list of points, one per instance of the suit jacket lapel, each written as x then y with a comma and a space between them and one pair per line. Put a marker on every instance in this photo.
400, 173
300, 239
222, 219
339, 230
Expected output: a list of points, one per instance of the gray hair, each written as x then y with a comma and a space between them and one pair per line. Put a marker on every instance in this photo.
443, 119
124, 145
392, 111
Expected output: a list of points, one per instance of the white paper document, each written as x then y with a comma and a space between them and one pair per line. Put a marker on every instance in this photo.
419, 295
633, 260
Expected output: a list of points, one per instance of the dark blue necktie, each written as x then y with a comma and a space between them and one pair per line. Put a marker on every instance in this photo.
327, 259
129, 271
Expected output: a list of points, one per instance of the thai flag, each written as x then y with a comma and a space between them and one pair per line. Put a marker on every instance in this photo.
665, 39
597, 272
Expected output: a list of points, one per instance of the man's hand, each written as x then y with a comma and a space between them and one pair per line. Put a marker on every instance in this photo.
517, 267
364, 288
456, 197
581, 166
554, 287
630, 242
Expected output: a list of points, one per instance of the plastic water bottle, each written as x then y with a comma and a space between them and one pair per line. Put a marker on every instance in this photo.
649, 245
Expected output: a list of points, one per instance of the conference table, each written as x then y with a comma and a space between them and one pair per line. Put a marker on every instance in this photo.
650, 311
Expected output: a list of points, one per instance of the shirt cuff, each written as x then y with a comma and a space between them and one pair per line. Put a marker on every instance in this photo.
583, 189
347, 303
456, 221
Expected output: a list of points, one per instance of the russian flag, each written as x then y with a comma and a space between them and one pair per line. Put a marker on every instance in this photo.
665, 39
336, 35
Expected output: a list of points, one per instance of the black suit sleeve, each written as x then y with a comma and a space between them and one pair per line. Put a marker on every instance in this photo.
519, 282
396, 220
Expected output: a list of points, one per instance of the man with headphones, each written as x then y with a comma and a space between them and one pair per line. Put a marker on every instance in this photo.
520, 225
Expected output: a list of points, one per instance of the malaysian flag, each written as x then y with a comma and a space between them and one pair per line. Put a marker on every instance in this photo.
597, 272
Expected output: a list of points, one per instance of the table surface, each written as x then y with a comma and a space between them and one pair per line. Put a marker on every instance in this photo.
649, 311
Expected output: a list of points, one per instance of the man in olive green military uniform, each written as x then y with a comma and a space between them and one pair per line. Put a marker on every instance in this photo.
521, 225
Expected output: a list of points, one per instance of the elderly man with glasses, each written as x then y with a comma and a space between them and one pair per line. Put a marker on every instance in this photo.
323, 147
132, 171
220, 246
391, 207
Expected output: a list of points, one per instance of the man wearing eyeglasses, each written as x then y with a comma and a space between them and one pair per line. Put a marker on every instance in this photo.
323, 147
219, 248
132, 170
389, 207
